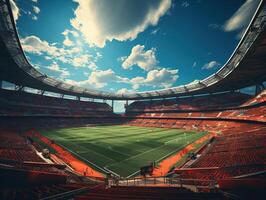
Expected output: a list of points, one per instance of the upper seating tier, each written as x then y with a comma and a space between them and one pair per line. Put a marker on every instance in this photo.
197, 103
18, 103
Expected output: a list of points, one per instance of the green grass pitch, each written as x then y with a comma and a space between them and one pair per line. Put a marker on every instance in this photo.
122, 149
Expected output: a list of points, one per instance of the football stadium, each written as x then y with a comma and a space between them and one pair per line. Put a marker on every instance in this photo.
158, 138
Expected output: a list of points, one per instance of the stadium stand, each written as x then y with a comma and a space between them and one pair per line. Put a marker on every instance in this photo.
206, 102
161, 193
14, 147
234, 152
238, 148
25, 104
248, 109
27, 175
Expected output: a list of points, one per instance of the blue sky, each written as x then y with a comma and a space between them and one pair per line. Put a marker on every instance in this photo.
128, 46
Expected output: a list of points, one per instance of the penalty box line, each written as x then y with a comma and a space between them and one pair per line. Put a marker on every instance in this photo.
105, 169
165, 143
164, 156
159, 159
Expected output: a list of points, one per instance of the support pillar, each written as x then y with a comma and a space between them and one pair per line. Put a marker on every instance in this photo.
112, 105
150, 103
40, 92
19, 87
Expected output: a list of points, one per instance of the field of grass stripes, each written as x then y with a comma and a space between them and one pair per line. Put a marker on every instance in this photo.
122, 149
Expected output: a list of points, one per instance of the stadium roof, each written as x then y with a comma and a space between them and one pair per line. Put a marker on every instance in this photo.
245, 67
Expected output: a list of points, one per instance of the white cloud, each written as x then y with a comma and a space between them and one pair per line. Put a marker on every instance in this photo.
125, 91
146, 60
156, 77
74, 56
34, 44
214, 26
92, 66
117, 19
35, 1
185, 4
32, 14
67, 32
137, 81
155, 31
121, 59
194, 64
15, 10
211, 65
99, 79
162, 78
36, 9
73, 50
73, 82
81, 61
34, 17
99, 55
55, 67
102, 78
48, 58
241, 18
67, 41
